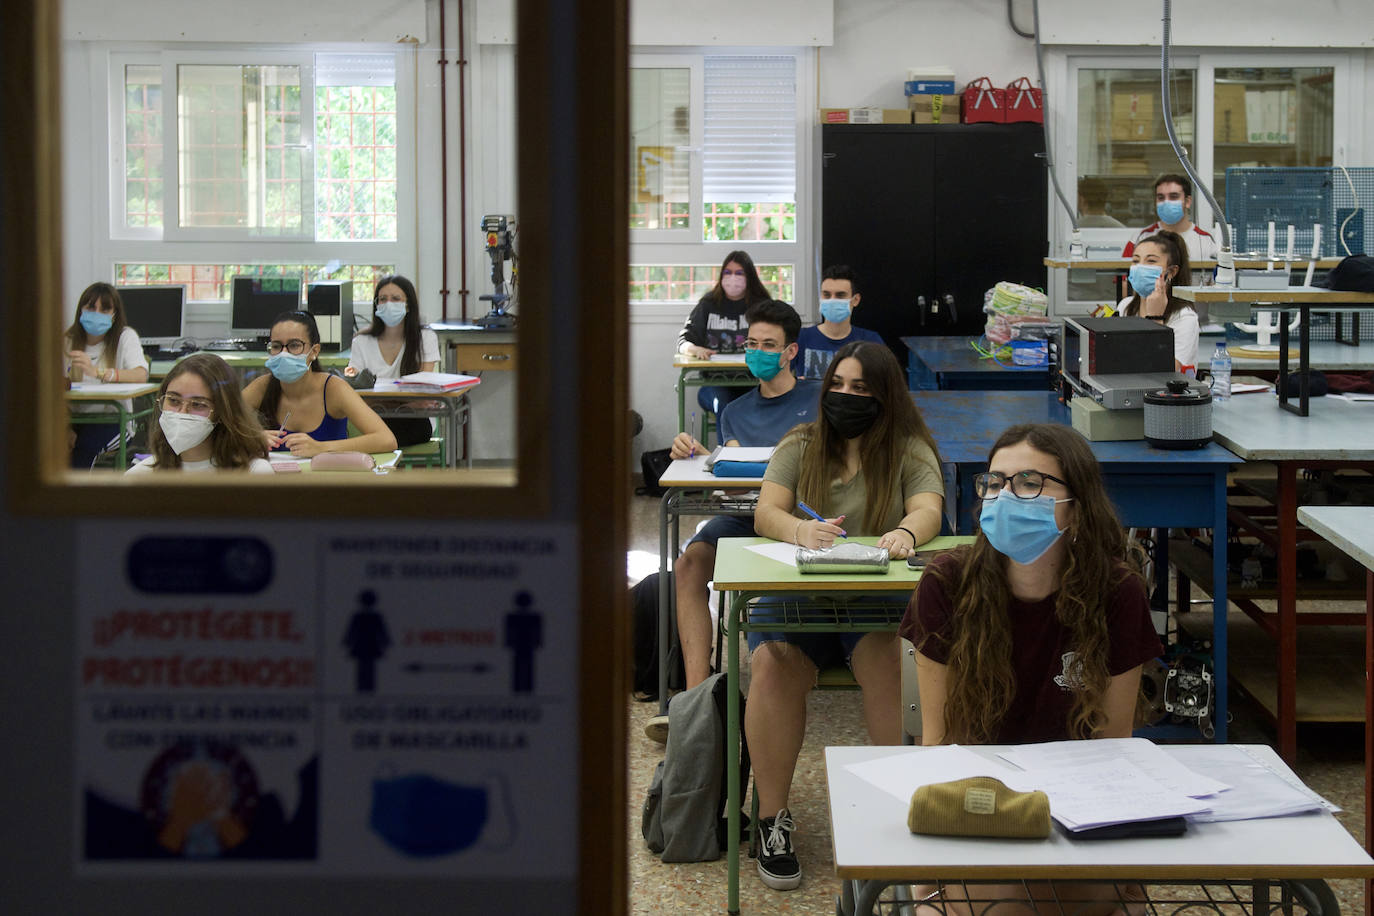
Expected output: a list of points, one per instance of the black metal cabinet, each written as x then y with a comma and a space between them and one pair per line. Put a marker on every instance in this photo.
933, 214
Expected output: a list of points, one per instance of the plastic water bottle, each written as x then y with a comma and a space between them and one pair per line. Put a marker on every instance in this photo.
1221, 372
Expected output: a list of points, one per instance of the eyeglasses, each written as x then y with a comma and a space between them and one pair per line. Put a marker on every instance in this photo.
175, 403
294, 347
1024, 484
767, 346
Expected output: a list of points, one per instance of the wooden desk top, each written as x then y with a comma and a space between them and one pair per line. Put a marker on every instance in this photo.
1294, 295
110, 391
1257, 429
871, 840
1351, 528
692, 472
741, 569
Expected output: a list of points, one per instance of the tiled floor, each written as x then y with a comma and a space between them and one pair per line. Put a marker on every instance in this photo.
1330, 761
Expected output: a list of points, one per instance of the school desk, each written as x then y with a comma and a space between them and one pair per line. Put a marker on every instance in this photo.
115, 393
1302, 298
725, 371
1235, 866
950, 363
453, 408
1351, 528
691, 489
834, 603
1150, 487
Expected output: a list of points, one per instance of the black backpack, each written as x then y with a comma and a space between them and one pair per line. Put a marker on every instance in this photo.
644, 623
652, 464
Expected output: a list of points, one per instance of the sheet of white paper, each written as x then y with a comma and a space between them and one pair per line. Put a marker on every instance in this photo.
1256, 790
1247, 388
899, 775
1151, 759
777, 550
1354, 397
1111, 792
727, 357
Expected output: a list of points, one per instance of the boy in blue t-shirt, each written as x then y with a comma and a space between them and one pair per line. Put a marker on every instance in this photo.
760, 417
816, 346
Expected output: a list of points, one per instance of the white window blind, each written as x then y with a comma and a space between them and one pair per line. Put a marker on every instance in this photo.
750, 130
358, 69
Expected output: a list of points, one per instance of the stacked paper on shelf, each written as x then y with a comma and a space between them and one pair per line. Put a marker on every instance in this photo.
435, 382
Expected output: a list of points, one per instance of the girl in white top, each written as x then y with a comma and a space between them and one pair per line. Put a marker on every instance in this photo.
101, 347
396, 345
203, 424
1156, 263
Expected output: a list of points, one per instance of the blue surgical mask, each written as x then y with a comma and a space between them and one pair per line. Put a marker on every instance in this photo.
763, 364
286, 367
96, 323
835, 310
1022, 529
1170, 212
1143, 277
420, 815
391, 313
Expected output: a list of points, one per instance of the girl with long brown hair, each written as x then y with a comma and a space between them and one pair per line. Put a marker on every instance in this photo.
203, 423
1038, 630
1156, 264
101, 347
869, 465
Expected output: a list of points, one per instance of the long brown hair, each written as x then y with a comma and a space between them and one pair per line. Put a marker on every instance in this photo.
1175, 255
981, 681
410, 325
236, 439
78, 339
881, 449
754, 290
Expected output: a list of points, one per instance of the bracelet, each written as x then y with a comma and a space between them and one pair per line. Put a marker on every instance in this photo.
911, 534
796, 532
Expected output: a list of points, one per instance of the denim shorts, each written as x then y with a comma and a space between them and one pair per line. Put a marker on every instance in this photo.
724, 526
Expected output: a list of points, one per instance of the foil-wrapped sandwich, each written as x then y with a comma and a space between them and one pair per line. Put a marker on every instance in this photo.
842, 558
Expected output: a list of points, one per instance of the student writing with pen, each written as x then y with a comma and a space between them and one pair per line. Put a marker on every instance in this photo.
759, 418
868, 466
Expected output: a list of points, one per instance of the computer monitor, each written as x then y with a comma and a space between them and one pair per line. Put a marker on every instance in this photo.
157, 313
256, 301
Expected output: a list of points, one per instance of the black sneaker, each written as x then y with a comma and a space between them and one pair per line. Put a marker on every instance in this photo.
777, 862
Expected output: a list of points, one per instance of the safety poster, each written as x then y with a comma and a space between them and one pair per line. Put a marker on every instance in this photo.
332, 698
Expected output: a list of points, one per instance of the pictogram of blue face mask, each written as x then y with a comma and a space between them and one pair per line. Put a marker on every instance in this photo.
421, 815
287, 367
763, 364
835, 310
1170, 211
1022, 529
96, 323
1143, 277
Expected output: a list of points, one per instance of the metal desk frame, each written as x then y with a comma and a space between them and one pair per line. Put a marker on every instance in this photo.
126, 416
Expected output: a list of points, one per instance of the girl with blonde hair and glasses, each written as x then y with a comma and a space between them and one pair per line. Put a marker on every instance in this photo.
1038, 630
202, 423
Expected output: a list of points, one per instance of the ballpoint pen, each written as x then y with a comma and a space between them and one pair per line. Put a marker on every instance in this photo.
814, 514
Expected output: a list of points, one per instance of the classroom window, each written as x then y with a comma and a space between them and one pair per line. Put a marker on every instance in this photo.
211, 282
689, 282
305, 147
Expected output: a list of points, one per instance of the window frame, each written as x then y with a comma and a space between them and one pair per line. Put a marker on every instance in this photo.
695, 64
657, 248
1062, 74
121, 243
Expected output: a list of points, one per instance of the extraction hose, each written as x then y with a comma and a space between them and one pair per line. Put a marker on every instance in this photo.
1049, 148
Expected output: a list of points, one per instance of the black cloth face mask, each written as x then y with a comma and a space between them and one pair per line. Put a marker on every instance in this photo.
851, 415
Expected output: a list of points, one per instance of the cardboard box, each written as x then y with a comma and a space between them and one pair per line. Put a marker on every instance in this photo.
1133, 115
1231, 112
934, 109
865, 116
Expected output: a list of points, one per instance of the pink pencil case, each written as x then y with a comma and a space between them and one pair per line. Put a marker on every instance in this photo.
342, 461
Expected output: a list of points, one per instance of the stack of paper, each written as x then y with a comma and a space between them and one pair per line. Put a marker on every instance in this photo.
435, 382
739, 453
